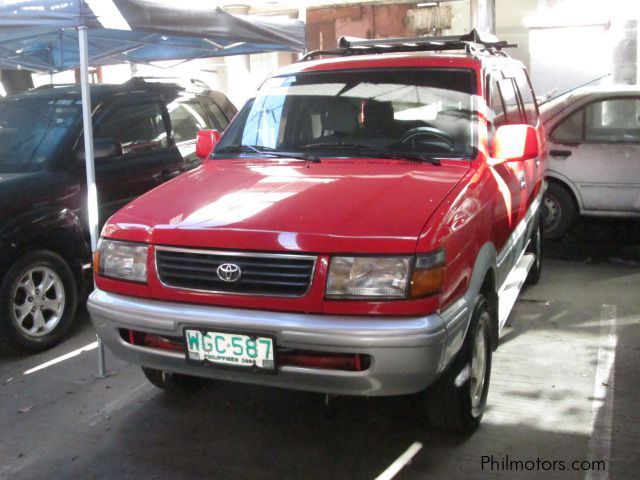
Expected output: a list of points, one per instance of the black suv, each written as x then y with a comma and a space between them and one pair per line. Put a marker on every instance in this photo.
144, 134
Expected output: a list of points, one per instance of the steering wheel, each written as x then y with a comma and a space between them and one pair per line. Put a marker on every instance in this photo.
443, 140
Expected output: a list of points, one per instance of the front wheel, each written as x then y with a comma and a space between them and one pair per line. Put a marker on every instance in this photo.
38, 299
558, 211
458, 399
172, 382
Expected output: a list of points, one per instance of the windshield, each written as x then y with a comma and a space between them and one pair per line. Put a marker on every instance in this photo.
427, 111
31, 129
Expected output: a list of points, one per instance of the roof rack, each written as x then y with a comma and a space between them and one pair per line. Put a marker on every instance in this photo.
178, 80
473, 43
47, 86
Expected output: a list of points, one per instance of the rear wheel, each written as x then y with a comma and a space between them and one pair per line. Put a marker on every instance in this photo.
457, 401
38, 299
172, 382
535, 248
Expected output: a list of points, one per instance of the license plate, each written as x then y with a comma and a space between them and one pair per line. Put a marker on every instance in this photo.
230, 349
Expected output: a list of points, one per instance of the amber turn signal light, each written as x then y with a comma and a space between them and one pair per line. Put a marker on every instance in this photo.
427, 282
96, 262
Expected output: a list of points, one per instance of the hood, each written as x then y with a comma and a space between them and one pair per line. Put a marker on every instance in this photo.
355, 205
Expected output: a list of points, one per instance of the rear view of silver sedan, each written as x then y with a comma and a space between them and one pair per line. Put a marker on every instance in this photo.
594, 156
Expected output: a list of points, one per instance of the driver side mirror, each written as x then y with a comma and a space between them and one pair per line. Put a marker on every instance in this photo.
513, 143
102, 148
206, 142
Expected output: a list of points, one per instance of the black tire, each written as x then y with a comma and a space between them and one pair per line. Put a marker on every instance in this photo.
57, 305
558, 211
450, 406
535, 247
172, 382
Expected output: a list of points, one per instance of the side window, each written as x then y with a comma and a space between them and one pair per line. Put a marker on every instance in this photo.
497, 113
218, 118
511, 101
570, 129
614, 120
139, 127
526, 95
187, 117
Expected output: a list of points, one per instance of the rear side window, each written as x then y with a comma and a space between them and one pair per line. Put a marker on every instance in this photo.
511, 101
139, 127
527, 96
614, 120
187, 118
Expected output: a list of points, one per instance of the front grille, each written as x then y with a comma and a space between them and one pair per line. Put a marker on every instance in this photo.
261, 274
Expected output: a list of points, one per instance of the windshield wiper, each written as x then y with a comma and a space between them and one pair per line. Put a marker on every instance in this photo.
262, 150
369, 151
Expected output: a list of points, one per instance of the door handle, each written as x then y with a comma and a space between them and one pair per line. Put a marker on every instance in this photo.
523, 179
560, 153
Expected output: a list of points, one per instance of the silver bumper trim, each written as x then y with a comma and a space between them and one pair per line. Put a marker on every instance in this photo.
406, 352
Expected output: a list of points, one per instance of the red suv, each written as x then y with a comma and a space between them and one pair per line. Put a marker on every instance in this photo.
363, 227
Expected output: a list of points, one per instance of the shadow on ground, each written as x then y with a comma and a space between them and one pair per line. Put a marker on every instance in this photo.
598, 240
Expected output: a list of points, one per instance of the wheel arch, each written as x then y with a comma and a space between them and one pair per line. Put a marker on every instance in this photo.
568, 185
57, 230
457, 317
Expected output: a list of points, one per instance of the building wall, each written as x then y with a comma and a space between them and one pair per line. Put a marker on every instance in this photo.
573, 42
510, 27
375, 20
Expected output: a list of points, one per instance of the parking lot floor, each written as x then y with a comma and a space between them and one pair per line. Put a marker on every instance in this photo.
564, 388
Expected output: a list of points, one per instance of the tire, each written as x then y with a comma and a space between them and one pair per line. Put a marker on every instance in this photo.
558, 211
535, 247
172, 382
456, 402
38, 298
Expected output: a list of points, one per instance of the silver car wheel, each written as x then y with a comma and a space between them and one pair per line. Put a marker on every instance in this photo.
552, 212
38, 301
478, 364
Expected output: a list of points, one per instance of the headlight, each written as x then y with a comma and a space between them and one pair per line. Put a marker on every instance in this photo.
386, 277
125, 261
368, 277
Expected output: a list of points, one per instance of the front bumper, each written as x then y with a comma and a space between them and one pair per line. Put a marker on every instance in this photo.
406, 353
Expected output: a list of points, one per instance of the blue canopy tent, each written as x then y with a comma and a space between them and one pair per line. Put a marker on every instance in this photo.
56, 35
42, 35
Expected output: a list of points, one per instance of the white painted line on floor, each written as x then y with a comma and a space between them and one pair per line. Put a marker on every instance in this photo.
402, 460
120, 402
62, 358
602, 405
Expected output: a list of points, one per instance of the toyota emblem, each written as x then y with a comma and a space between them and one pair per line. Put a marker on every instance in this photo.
229, 272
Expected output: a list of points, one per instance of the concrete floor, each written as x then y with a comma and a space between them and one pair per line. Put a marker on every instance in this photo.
564, 387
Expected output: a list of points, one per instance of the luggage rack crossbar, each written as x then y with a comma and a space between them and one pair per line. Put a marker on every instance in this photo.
473, 43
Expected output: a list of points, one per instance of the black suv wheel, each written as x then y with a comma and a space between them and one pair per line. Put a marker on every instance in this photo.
457, 401
38, 300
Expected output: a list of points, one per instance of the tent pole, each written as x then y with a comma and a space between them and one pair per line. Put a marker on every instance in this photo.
92, 194
92, 197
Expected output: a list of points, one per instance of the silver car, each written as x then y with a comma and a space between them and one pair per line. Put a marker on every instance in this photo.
594, 156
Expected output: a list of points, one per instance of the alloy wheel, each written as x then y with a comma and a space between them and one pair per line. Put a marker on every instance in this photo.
38, 301
479, 366
551, 213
